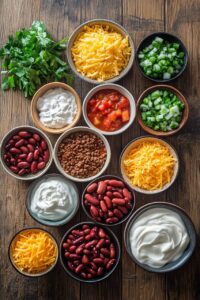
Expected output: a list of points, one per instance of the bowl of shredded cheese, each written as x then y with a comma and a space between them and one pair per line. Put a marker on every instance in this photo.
33, 252
149, 165
100, 51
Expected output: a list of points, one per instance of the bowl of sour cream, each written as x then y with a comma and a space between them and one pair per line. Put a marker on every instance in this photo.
55, 107
52, 200
160, 237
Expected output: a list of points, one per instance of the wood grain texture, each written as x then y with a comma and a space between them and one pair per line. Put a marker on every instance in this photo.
140, 18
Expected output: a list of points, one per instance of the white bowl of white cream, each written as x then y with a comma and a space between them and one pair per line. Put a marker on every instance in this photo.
53, 200
160, 237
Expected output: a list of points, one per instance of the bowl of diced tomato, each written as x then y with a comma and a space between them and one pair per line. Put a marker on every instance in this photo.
109, 108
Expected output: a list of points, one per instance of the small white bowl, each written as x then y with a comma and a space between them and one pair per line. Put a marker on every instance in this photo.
81, 129
120, 89
134, 144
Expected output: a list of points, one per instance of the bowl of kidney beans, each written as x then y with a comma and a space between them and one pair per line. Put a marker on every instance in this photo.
26, 152
89, 252
108, 200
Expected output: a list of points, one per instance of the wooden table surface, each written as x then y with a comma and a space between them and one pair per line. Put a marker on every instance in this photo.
140, 18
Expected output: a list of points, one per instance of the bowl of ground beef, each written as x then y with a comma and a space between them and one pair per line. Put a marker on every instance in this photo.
82, 154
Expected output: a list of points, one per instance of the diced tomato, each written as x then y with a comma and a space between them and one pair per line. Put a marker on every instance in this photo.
118, 112
92, 102
112, 116
125, 116
96, 121
106, 124
101, 107
123, 103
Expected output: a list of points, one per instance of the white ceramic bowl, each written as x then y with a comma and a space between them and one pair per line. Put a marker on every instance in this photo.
121, 90
117, 28
81, 129
134, 144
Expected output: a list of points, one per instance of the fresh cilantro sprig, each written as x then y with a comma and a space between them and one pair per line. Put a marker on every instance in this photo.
32, 58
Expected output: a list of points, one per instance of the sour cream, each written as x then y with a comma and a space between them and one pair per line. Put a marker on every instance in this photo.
57, 108
53, 198
158, 236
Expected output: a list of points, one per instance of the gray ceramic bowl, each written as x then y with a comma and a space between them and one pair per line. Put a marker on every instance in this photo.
116, 27
64, 261
13, 132
172, 266
31, 192
35, 275
81, 129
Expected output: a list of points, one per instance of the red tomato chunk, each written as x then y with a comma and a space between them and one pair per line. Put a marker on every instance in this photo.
108, 110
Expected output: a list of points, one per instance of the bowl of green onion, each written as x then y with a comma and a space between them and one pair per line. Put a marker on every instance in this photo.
162, 110
161, 57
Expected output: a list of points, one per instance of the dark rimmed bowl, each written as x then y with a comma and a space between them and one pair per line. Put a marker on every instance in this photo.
135, 143
31, 190
172, 90
167, 37
63, 259
26, 273
174, 265
103, 178
12, 132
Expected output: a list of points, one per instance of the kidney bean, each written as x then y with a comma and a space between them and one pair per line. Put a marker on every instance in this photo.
22, 172
100, 271
67, 254
36, 154
109, 194
118, 213
123, 209
46, 156
94, 211
118, 201
32, 141
11, 142
100, 243
34, 167
117, 195
116, 183
101, 187
107, 201
86, 231
89, 236
74, 256
72, 248
24, 134
101, 214
13, 161
85, 226
103, 206
105, 251
15, 150
79, 268
91, 244
86, 251
85, 259
23, 156
83, 274
16, 137
71, 266
112, 220
79, 240
30, 147
23, 164
79, 250
110, 263
129, 206
101, 233
77, 232
24, 149
109, 188
41, 165
69, 241
7, 146
127, 194
14, 169
91, 199
91, 271
92, 187
19, 143
76, 262
19, 160
30, 157
72, 237
65, 245
43, 145
36, 137
112, 251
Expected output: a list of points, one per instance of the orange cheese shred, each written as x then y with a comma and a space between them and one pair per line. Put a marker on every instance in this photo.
149, 166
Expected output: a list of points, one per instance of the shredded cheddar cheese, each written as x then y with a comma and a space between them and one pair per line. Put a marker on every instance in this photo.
100, 53
149, 166
33, 251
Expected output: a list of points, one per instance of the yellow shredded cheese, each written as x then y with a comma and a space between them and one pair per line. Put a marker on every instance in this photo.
100, 53
33, 251
149, 166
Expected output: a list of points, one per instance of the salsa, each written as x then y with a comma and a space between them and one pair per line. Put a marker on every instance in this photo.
108, 110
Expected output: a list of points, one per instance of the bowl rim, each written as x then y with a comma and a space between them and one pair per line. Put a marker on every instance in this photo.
168, 205
40, 92
39, 274
115, 241
172, 151
115, 87
169, 35
98, 21
172, 89
50, 148
126, 185
63, 221
79, 129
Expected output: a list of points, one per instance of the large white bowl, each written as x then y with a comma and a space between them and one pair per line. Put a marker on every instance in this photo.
81, 129
121, 90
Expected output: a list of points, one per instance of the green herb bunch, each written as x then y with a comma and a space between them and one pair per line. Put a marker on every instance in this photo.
32, 58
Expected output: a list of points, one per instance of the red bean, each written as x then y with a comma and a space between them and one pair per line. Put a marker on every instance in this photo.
123, 209
65, 245
100, 243
109, 188
30, 147
34, 167
16, 137
79, 240
22, 172
72, 237
14, 169
110, 214
127, 194
30, 157
107, 201
19, 143
22, 156
24, 149
91, 199
23, 164
74, 256
105, 251
79, 250
94, 211
110, 263
83, 274
129, 206
36, 137
13, 161
79, 268
67, 254
32, 141
36, 154
91, 271
69, 241
43, 145
92, 187
11, 142
118, 213
72, 248
85, 259
71, 266
101, 187
15, 150
101, 233
112, 251
118, 201
117, 195
116, 183
77, 232
112, 220
85, 226
24, 134
91, 244
100, 271
41, 165
46, 156
86, 251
